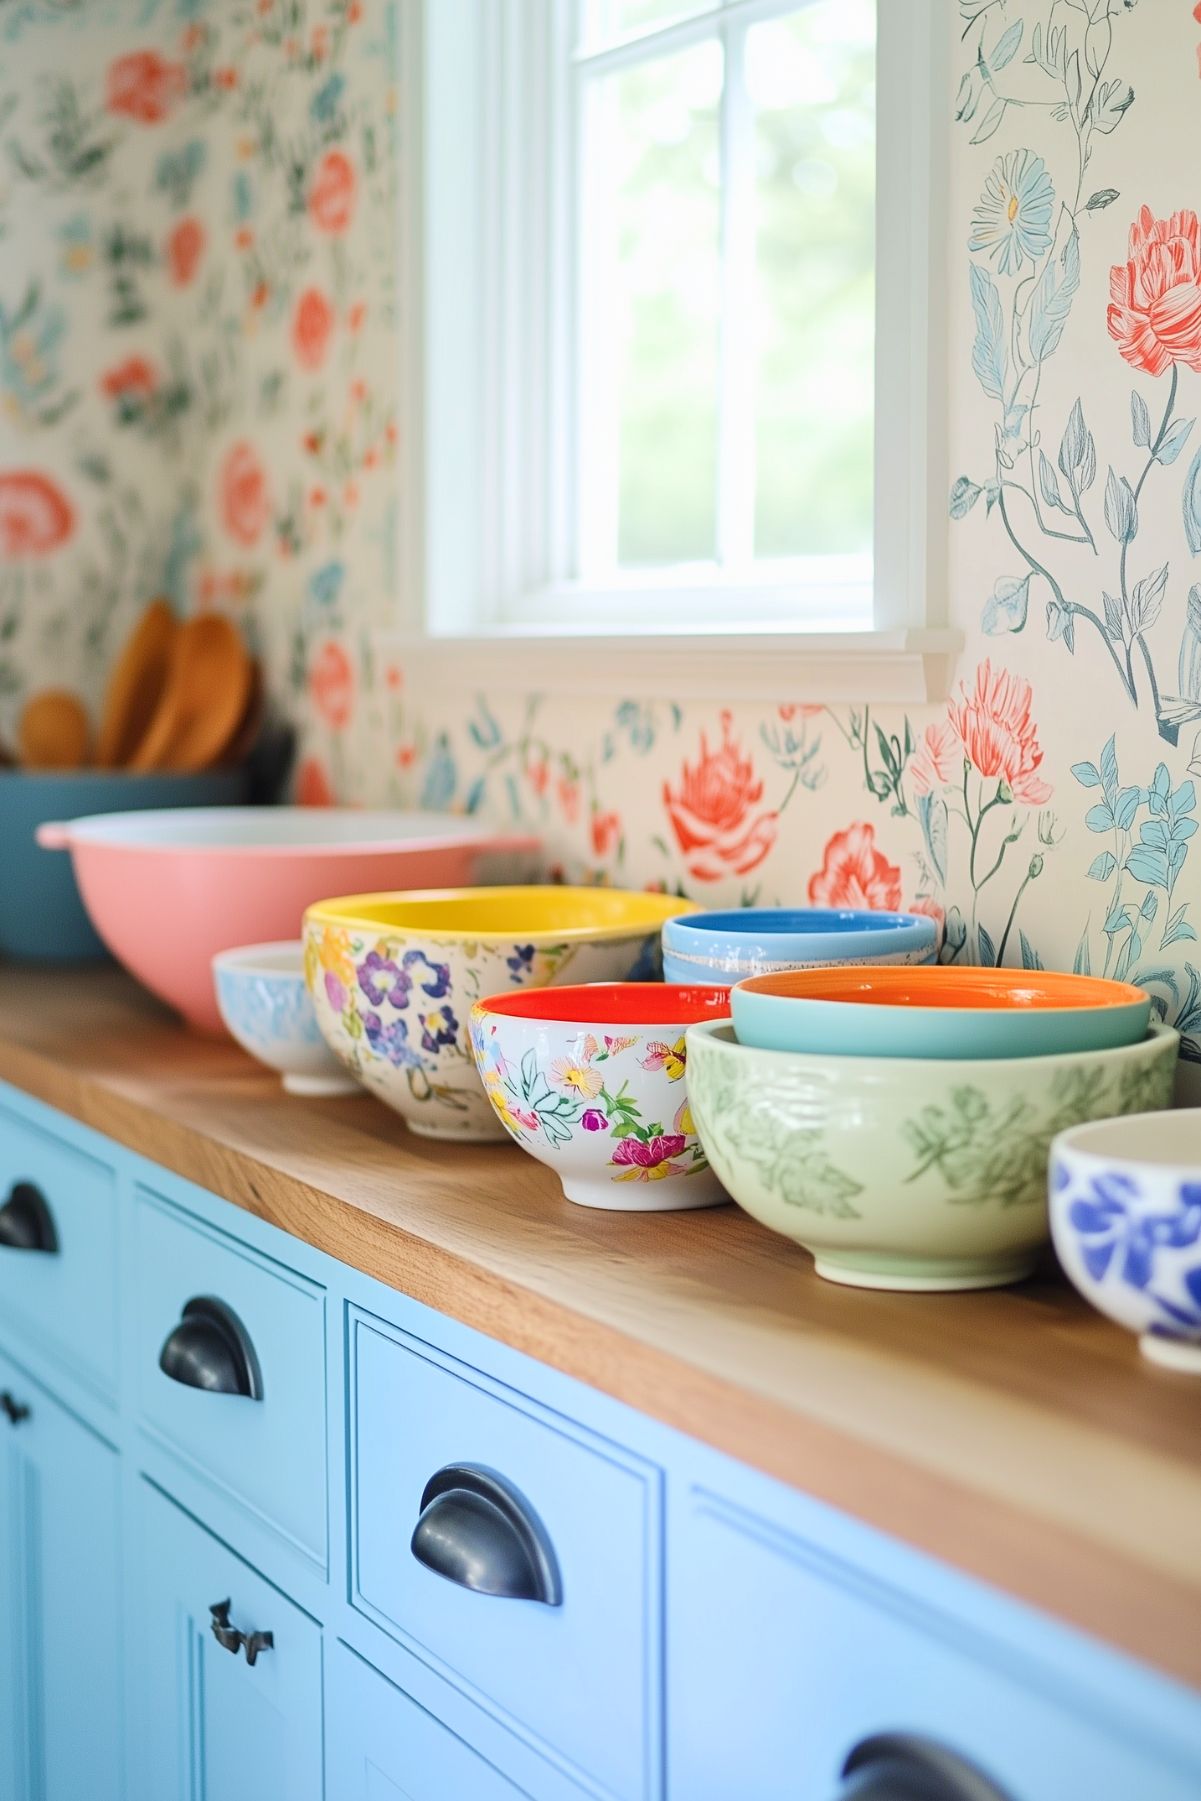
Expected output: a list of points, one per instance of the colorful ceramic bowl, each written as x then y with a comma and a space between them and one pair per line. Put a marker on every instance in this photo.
167, 890
937, 1012
395, 976
900, 1174
592, 1081
759, 941
1126, 1220
262, 997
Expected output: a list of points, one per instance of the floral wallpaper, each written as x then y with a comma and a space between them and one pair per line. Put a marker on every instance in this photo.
197, 208
196, 325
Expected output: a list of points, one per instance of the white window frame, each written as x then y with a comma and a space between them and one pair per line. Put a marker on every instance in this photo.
486, 364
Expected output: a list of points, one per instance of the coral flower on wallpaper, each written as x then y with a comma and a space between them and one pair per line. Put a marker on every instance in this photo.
332, 194
331, 684
1154, 315
35, 515
712, 811
998, 735
185, 247
134, 377
854, 873
312, 324
144, 86
245, 506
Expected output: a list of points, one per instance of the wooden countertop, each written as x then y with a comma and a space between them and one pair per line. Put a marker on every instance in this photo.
1013, 1433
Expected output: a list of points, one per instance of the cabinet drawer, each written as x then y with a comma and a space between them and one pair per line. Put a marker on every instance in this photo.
784, 1659
62, 1299
267, 1452
578, 1679
382, 1744
209, 1725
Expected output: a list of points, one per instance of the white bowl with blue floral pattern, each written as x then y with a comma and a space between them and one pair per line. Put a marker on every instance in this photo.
262, 998
1126, 1219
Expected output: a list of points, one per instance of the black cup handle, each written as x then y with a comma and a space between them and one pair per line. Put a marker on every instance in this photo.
232, 1640
26, 1222
897, 1766
211, 1349
475, 1529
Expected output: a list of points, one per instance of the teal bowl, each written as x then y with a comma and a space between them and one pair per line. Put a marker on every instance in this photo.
42, 918
937, 1011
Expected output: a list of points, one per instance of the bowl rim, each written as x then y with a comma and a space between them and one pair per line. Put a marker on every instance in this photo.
1157, 1033
247, 960
1073, 1142
1122, 995
521, 1006
739, 924
92, 831
338, 913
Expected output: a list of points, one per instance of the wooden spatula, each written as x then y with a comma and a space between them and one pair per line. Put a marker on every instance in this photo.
135, 687
53, 731
207, 688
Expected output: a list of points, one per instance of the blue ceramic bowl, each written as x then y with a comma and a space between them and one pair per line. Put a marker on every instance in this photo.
42, 917
265, 1003
760, 941
940, 1012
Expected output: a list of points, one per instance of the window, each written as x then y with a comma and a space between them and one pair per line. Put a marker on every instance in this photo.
678, 300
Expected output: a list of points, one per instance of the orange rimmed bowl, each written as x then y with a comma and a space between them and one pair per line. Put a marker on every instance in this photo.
937, 1011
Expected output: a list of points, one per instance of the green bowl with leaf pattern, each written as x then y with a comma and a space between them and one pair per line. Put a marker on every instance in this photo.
907, 1173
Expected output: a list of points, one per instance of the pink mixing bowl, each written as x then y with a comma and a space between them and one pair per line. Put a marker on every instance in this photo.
166, 890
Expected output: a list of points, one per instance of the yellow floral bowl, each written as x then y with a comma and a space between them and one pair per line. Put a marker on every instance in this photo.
394, 978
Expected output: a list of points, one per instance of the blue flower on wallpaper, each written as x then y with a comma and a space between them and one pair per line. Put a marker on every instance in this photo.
1112, 1232
441, 777
325, 584
30, 339
1012, 220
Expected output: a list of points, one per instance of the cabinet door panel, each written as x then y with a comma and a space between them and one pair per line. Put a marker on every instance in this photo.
207, 1724
384, 1747
60, 1604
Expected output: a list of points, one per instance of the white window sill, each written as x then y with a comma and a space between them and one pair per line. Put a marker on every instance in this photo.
909, 667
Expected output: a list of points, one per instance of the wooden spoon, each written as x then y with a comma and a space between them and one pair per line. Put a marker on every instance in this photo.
53, 731
207, 689
136, 685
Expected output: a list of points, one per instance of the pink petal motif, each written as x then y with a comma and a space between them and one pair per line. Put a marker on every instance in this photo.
1154, 315
647, 1156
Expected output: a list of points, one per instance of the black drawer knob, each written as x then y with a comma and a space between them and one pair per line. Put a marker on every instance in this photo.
232, 1640
896, 1766
476, 1530
211, 1348
26, 1222
13, 1410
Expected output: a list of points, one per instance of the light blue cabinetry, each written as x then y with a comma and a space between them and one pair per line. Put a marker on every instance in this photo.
480, 1580
61, 1631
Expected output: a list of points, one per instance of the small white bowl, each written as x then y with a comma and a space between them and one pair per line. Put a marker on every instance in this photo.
262, 998
1126, 1220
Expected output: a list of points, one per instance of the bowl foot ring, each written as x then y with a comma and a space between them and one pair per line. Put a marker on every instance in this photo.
1171, 1353
928, 1278
321, 1087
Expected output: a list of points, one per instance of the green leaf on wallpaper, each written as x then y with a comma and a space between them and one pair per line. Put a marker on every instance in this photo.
1102, 198
968, 97
1121, 513
988, 351
1140, 419
1102, 867
1109, 767
1006, 611
1113, 617
1083, 963
1191, 505
1147, 601
1078, 452
964, 495
1006, 47
1087, 774
988, 950
1048, 484
1030, 957
1052, 300
1110, 101
932, 816
991, 122
1173, 440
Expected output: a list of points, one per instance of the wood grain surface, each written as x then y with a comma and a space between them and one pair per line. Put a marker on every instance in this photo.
1013, 1433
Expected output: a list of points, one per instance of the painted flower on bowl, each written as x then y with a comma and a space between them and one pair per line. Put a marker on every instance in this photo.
391, 1041
650, 1159
854, 873
714, 811
1012, 220
439, 1028
1154, 313
1115, 1232
383, 981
